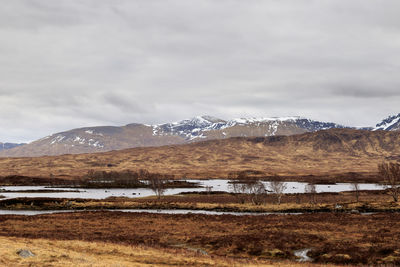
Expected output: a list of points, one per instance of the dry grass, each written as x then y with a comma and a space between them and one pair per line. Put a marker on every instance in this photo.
79, 253
363, 239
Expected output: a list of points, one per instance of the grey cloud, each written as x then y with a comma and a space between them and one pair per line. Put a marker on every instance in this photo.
68, 64
377, 92
125, 104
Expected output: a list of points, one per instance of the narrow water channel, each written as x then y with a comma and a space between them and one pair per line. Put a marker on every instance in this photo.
163, 211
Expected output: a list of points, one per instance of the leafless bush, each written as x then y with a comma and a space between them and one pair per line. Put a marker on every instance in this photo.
208, 189
257, 192
239, 189
390, 172
312, 191
157, 185
356, 188
254, 190
277, 188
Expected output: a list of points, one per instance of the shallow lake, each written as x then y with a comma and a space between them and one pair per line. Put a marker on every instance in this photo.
215, 185
164, 211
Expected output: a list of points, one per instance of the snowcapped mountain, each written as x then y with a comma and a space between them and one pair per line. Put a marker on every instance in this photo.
391, 123
207, 127
106, 138
190, 129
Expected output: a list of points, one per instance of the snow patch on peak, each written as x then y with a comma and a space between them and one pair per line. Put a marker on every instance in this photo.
388, 124
93, 132
95, 143
57, 139
197, 127
80, 140
212, 119
263, 119
191, 128
44, 138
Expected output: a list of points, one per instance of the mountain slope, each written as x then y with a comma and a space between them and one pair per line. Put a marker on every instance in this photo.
93, 139
5, 146
391, 123
326, 152
100, 139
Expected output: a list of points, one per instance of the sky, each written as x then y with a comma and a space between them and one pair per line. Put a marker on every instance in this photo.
73, 63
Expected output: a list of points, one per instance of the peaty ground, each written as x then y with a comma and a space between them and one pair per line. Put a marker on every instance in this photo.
81, 253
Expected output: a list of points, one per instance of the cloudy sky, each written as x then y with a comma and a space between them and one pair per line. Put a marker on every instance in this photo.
68, 64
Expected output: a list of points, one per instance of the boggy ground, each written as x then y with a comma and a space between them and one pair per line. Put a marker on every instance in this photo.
368, 201
334, 237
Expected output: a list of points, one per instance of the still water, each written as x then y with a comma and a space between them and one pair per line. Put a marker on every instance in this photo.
214, 185
164, 211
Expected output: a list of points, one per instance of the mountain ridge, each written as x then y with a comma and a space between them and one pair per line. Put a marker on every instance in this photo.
199, 128
5, 146
391, 123
106, 138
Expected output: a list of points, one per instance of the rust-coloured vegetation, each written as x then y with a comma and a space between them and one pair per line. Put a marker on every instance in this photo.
336, 238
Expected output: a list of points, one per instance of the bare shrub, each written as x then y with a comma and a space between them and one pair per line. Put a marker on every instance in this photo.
356, 188
312, 191
239, 189
208, 189
390, 172
277, 187
157, 185
257, 192
254, 190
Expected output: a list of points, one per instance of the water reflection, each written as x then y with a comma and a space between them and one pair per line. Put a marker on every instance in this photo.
213, 185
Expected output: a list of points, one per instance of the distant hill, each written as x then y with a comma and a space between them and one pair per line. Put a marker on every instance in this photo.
107, 138
5, 146
326, 152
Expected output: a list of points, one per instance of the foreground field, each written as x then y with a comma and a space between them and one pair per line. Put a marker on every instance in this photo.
333, 238
80, 253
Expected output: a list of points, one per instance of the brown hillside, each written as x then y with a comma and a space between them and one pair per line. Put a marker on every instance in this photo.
197, 129
328, 152
91, 140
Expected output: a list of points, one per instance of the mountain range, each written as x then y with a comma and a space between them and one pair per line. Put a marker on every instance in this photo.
107, 138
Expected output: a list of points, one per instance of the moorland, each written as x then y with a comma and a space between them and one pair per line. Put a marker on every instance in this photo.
352, 228
332, 237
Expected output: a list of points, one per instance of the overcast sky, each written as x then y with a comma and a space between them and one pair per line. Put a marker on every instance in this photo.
68, 64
